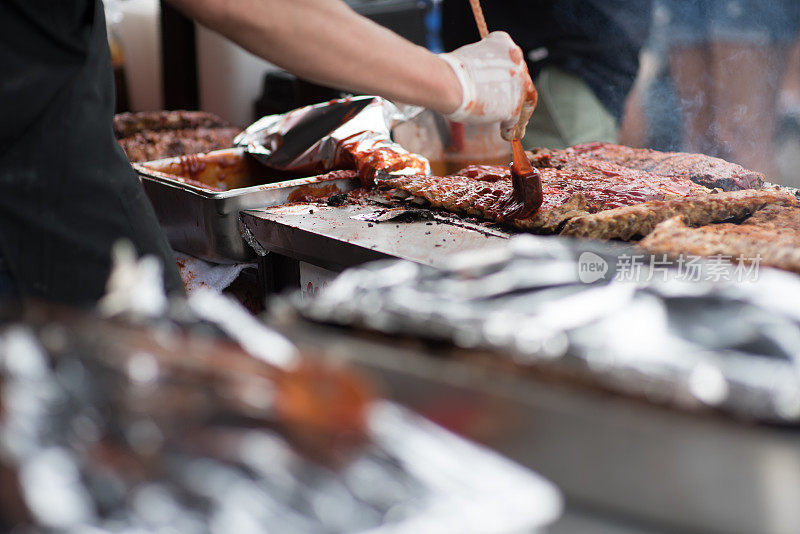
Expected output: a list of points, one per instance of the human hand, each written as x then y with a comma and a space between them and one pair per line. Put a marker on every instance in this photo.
495, 84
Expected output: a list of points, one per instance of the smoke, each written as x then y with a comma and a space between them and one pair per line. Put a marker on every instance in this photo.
717, 67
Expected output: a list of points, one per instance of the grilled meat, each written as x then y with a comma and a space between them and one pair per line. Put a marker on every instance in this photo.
704, 170
772, 235
487, 192
152, 145
372, 157
128, 124
151, 135
639, 220
782, 220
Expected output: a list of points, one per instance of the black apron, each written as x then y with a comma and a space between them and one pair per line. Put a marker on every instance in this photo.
67, 192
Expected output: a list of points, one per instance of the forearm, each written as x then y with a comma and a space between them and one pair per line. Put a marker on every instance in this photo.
327, 42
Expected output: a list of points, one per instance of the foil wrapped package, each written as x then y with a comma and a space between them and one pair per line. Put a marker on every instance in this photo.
109, 428
710, 342
347, 133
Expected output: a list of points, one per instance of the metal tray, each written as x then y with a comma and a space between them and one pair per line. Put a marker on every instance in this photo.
336, 238
205, 223
675, 405
641, 465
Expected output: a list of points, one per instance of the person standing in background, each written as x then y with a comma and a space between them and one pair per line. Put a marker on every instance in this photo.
650, 119
726, 61
582, 54
69, 192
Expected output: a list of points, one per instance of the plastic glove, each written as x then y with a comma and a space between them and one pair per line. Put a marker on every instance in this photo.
495, 84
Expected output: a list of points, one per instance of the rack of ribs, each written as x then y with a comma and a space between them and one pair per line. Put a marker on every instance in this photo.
488, 192
129, 124
772, 235
704, 170
151, 135
152, 145
639, 220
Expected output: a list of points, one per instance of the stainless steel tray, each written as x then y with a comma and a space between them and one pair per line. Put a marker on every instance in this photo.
205, 223
670, 400
637, 464
336, 238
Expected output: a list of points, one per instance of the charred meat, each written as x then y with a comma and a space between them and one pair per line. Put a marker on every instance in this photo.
772, 235
153, 145
152, 135
704, 170
128, 124
488, 192
639, 220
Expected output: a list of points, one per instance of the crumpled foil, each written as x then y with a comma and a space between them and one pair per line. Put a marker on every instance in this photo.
713, 341
335, 135
105, 429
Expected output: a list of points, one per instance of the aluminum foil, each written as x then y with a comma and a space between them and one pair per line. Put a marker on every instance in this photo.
105, 429
335, 135
711, 341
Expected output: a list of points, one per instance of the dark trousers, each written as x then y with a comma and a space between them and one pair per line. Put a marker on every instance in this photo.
8, 288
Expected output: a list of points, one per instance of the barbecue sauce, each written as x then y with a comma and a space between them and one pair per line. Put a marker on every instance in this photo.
526, 182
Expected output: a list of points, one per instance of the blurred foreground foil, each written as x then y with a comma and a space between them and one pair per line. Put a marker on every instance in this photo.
711, 341
105, 428
335, 135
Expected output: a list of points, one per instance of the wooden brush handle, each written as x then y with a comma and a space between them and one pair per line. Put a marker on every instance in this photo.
479, 19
